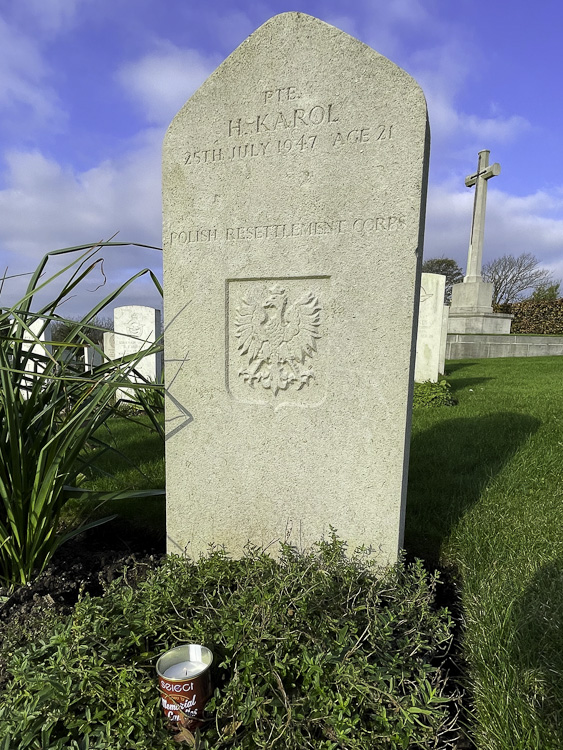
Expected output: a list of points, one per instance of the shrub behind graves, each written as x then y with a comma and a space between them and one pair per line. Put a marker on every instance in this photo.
535, 317
50, 409
314, 650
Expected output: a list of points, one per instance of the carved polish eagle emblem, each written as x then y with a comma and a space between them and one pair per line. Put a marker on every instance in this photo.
277, 339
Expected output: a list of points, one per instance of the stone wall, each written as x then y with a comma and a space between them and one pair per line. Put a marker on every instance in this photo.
475, 346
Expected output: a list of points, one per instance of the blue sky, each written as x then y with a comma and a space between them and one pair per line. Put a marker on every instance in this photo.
88, 87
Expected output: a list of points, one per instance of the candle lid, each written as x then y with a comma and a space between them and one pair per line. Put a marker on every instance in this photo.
189, 652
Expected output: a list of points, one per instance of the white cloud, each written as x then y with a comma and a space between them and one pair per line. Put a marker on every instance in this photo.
443, 70
388, 27
344, 23
25, 97
443, 58
162, 81
540, 202
494, 129
448, 122
514, 225
524, 224
231, 27
439, 60
46, 206
448, 220
51, 16
556, 269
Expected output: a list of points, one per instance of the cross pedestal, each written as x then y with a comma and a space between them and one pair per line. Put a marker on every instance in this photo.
472, 310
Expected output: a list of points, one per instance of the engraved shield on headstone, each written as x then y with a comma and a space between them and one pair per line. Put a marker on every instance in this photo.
277, 340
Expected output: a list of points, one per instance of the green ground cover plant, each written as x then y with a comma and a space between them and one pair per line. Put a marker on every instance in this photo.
432, 394
318, 650
51, 411
485, 499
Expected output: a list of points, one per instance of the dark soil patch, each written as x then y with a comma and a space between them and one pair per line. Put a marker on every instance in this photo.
84, 565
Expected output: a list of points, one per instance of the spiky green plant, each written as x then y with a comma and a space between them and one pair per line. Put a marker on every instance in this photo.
49, 412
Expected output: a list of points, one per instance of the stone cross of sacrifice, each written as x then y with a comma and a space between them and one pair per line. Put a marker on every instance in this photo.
479, 179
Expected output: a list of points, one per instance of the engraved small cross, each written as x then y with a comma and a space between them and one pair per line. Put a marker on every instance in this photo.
479, 179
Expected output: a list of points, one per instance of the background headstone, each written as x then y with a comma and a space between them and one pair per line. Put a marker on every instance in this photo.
42, 331
136, 327
92, 358
444, 339
294, 188
109, 344
429, 339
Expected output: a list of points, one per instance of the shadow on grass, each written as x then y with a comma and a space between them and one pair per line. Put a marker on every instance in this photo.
453, 366
450, 464
460, 383
538, 643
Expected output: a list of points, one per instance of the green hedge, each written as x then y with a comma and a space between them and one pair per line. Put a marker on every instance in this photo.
535, 317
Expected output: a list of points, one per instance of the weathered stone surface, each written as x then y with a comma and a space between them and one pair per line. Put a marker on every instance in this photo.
444, 339
293, 193
136, 327
92, 358
40, 329
478, 322
471, 308
472, 298
430, 324
472, 311
480, 179
475, 346
109, 344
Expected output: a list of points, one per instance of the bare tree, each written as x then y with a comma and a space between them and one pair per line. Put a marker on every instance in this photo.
511, 277
95, 331
448, 268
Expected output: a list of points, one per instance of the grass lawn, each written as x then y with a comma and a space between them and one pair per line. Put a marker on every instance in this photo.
136, 462
486, 497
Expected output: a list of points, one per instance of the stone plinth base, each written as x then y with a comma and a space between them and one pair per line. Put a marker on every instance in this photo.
472, 297
472, 310
479, 347
476, 322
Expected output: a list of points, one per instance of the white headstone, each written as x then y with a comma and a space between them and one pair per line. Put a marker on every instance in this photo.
444, 339
430, 325
92, 358
109, 345
294, 185
40, 332
136, 327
